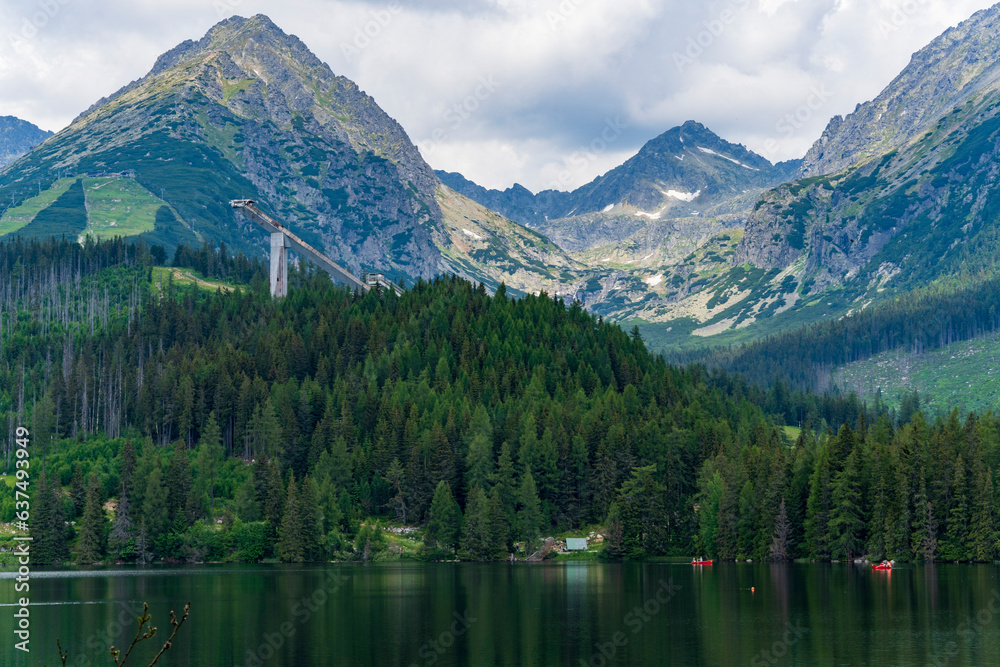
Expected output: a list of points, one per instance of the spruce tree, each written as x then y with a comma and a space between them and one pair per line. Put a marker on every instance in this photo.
779, 542
49, 546
529, 513
444, 528
846, 524
155, 517
477, 534
983, 532
479, 460
498, 524
505, 481
78, 489
818, 507
311, 521
90, 545
954, 545
290, 544
924, 536
178, 482
210, 456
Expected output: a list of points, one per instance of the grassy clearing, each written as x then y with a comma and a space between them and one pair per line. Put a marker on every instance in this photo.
965, 374
119, 207
21, 215
793, 432
161, 275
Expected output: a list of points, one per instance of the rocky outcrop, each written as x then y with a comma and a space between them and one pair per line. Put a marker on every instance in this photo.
957, 67
17, 137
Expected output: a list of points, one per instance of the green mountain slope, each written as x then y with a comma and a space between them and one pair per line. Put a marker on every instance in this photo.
249, 112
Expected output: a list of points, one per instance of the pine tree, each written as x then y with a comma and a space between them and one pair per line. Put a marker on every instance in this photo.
210, 456
290, 545
445, 525
779, 542
818, 508
614, 534
983, 532
479, 461
954, 545
477, 534
48, 532
155, 517
498, 524
504, 480
924, 535
178, 482
395, 476
311, 520
90, 545
529, 513
78, 489
127, 471
846, 524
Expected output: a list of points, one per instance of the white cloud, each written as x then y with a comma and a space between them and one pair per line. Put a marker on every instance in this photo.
564, 68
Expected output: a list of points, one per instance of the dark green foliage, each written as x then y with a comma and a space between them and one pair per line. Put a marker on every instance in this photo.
48, 534
65, 217
535, 416
92, 541
444, 526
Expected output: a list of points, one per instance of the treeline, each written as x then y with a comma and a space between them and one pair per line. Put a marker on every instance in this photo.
917, 321
922, 492
379, 399
241, 427
218, 262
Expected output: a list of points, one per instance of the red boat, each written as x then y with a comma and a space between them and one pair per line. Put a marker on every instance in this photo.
701, 562
884, 565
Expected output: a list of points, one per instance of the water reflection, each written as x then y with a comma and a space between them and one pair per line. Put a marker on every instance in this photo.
531, 614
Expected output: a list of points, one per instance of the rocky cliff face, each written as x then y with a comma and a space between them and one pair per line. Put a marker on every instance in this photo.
17, 137
960, 65
903, 192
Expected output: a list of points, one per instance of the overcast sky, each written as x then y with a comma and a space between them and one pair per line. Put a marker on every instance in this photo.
547, 93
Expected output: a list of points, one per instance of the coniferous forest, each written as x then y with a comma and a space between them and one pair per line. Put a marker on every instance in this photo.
170, 422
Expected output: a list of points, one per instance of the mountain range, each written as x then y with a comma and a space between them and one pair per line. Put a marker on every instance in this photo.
17, 137
692, 235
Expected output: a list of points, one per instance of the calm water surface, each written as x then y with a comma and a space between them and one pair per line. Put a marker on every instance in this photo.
498, 614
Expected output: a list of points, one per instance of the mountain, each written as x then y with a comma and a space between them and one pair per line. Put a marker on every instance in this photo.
899, 195
686, 172
17, 137
958, 66
249, 111
904, 188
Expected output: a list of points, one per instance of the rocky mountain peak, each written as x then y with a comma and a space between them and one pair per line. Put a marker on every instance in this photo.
960, 65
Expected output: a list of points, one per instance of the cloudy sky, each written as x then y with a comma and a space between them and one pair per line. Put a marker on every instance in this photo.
547, 93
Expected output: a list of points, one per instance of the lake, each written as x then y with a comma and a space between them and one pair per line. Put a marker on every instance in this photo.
450, 614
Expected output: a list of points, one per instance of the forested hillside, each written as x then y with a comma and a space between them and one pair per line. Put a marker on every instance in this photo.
188, 424
919, 320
